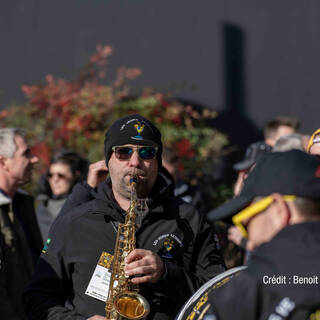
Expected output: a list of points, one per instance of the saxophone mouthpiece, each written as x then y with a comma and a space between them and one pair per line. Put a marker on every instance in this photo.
133, 179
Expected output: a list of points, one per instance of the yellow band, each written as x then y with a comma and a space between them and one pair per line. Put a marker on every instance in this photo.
310, 144
254, 209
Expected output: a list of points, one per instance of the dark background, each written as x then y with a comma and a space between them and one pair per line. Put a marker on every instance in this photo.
249, 60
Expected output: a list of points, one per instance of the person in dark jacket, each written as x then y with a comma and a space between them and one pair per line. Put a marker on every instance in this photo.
20, 239
279, 211
176, 251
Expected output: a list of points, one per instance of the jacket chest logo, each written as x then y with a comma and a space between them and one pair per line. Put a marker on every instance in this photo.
167, 243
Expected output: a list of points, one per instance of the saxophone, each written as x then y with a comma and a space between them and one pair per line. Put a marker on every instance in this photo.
124, 302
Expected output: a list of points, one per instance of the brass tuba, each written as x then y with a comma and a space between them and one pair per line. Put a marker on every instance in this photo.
124, 302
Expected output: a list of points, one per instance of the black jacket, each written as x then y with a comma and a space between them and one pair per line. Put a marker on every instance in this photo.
272, 285
20, 246
79, 237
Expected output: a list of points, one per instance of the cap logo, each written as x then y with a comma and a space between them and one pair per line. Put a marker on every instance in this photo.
139, 127
317, 172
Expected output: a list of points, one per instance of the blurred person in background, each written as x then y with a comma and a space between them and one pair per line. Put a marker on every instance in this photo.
314, 145
66, 169
295, 141
273, 130
20, 239
233, 254
253, 152
279, 127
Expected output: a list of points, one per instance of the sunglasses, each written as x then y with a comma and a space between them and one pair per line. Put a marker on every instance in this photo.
125, 153
59, 175
254, 209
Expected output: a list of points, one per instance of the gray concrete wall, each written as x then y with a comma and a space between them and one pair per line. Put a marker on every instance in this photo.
251, 60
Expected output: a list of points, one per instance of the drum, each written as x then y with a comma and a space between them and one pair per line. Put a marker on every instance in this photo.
195, 307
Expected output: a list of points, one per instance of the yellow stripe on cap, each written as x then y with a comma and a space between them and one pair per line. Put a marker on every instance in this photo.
254, 209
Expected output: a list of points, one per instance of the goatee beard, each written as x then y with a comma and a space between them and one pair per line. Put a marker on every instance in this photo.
141, 188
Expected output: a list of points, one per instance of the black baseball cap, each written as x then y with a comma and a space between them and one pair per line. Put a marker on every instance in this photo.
253, 152
288, 173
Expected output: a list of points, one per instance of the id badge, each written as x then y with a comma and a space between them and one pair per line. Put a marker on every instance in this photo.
99, 284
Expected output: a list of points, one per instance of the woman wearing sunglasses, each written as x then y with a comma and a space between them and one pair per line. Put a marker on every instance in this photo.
66, 169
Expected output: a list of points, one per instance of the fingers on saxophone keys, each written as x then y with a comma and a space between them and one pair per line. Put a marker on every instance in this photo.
138, 271
142, 279
132, 264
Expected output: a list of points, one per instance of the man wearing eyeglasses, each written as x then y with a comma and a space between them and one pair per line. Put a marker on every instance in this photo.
278, 211
175, 253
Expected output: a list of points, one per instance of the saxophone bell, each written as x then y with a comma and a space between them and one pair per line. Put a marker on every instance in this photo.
131, 305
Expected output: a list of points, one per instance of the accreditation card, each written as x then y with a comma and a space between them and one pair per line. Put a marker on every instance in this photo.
99, 284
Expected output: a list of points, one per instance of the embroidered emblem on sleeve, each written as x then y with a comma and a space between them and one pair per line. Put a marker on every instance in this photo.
45, 248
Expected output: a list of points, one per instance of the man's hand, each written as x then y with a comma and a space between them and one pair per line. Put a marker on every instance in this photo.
97, 318
98, 172
145, 263
235, 235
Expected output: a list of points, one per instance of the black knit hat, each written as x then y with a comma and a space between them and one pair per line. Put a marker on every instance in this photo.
133, 129
288, 173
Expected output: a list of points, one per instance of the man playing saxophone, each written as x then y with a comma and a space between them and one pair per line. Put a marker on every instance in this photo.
175, 249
